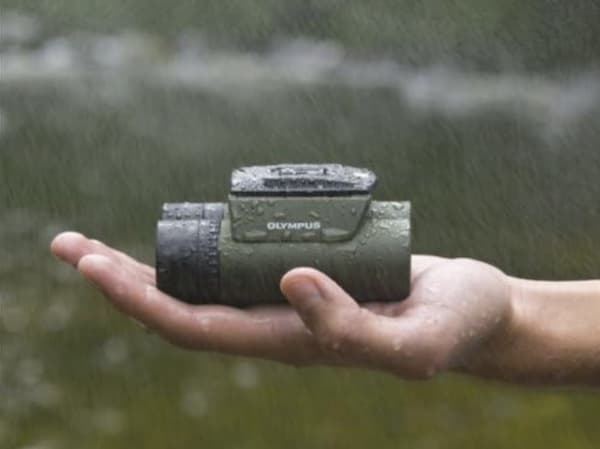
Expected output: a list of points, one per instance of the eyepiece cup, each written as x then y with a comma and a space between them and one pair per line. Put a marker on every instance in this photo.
187, 259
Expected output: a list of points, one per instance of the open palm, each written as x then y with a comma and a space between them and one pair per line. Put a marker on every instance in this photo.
455, 307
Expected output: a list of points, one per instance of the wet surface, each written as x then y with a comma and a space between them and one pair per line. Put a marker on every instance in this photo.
98, 129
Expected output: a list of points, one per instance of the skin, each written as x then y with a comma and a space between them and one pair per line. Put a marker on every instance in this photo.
462, 315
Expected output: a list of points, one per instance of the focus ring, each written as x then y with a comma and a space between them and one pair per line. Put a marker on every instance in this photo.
208, 267
187, 251
187, 259
178, 258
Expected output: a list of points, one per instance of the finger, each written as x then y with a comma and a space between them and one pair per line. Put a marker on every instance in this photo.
273, 333
329, 312
346, 330
141, 269
72, 246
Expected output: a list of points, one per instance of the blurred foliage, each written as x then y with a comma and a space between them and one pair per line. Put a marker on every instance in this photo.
487, 185
484, 34
485, 188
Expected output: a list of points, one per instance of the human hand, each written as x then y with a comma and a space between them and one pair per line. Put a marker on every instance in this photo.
455, 309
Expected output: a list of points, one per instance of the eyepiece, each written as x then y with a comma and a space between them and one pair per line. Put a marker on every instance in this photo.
187, 258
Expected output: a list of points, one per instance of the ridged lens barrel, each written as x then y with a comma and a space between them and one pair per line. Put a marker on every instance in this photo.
192, 211
187, 257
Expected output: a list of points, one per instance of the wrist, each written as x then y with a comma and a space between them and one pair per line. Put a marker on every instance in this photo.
516, 351
551, 336
493, 354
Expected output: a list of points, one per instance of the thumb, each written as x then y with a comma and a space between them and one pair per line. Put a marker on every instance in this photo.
343, 328
332, 316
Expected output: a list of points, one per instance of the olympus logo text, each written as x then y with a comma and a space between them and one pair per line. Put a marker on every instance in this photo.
293, 226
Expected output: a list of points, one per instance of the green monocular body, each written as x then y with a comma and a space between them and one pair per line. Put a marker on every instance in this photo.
280, 217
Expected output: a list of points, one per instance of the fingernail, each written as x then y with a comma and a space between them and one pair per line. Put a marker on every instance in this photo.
304, 289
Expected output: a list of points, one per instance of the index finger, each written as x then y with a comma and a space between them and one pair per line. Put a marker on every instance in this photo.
71, 247
275, 333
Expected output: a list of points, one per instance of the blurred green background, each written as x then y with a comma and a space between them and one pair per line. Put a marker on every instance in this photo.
485, 114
